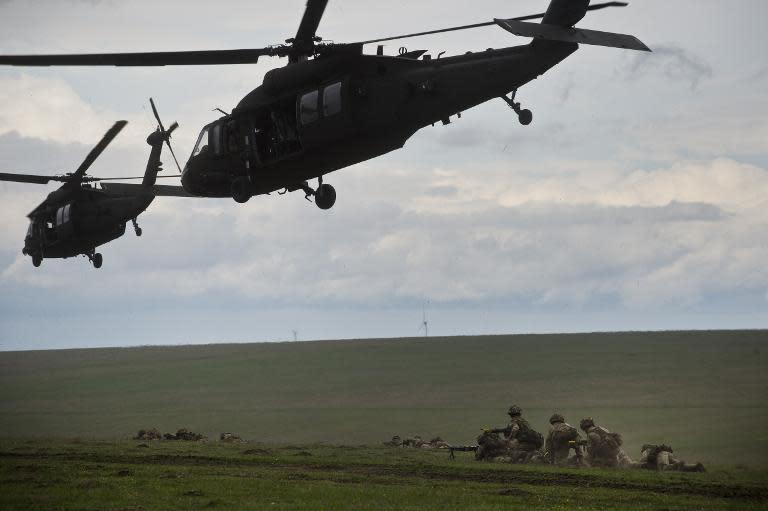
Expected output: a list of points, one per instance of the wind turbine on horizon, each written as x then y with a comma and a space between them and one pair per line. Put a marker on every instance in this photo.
424, 323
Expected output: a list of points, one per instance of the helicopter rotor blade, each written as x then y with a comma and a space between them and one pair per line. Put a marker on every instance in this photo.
100, 179
167, 134
486, 24
168, 143
27, 178
305, 37
302, 44
98, 149
157, 115
167, 58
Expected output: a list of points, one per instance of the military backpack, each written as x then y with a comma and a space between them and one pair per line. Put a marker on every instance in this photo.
565, 434
610, 440
528, 435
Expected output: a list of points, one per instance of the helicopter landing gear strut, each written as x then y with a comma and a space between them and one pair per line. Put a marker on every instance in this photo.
136, 227
525, 116
325, 195
95, 259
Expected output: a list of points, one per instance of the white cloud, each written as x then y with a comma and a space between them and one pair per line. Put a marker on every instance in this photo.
622, 195
49, 109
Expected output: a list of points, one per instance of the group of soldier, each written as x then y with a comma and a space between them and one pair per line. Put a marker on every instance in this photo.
518, 442
416, 442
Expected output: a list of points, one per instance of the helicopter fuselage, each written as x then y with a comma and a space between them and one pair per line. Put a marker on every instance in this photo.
317, 116
74, 221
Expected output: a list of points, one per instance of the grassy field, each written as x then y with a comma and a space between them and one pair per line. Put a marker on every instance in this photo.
124, 475
702, 392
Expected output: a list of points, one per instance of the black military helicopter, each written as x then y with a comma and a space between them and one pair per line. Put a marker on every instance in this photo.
78, 217
333, 106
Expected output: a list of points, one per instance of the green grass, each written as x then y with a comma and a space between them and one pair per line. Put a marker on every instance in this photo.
702, 392
125, 475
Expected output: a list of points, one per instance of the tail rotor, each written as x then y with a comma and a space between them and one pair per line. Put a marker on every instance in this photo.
166, 134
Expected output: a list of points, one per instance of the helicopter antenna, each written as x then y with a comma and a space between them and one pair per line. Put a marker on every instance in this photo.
217, 109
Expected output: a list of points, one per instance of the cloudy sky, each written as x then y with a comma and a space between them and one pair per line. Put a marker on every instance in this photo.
636, 200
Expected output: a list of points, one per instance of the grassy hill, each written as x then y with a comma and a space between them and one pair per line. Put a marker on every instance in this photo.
703, 392
131, 475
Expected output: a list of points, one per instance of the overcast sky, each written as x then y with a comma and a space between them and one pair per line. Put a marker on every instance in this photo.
636, 200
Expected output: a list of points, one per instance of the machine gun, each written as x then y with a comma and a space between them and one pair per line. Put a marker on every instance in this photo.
461, 448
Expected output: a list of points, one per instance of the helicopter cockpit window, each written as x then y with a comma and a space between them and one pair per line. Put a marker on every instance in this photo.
332, 99
202, 142
31, 229
308, 107
216, 139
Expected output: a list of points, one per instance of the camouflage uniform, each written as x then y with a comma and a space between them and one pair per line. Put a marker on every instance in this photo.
415, 441
492, 447
561, 439
604, 448
395, 442
660, 457
520, 449
438, 443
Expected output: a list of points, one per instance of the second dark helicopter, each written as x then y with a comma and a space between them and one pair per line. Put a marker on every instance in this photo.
333, 106
79, 217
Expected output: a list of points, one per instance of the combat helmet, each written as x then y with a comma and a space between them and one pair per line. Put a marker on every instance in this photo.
586, 423
514, 411
556, 417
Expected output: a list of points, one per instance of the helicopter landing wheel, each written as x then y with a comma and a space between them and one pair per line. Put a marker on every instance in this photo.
525, 117
37, 260
325, 196
97, 260
240, 191
136, 227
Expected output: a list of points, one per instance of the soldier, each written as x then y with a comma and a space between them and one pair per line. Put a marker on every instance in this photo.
415, 441
522, 440
604, 448
561, 439
492, 447
438, 443
395, 442
660, 457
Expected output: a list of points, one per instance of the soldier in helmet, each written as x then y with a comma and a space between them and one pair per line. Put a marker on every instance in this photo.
661, 457
604, 448
522, 440
561, 439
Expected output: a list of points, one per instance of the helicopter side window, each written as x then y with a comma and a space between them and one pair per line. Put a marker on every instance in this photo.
332, 99
62, 214
202, 142
308, 107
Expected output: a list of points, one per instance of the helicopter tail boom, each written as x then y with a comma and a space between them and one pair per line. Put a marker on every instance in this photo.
572, 35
